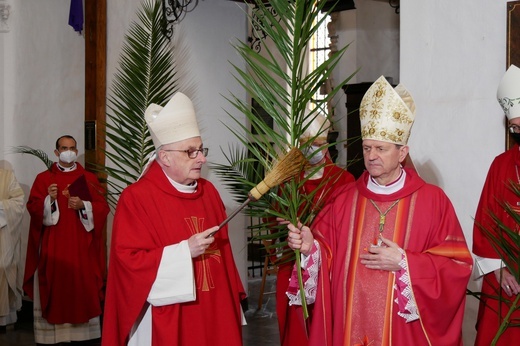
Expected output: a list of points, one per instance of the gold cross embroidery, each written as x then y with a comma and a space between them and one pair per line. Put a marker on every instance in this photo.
204, 278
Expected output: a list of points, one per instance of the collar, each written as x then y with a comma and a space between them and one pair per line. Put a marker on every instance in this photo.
181, 187
393, 187
66, 169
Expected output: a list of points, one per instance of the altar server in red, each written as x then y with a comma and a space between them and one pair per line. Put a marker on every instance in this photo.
321, 178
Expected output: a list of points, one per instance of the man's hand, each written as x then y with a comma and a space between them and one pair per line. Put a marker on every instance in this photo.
52, 190
198, 243
300, 238
508, 283
76, 203
386, 257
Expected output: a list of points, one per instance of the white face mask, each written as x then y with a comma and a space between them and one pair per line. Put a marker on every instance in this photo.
316, 152
68, 156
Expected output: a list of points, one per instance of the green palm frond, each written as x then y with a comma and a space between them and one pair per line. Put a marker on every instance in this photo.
42, 155
279, 81
146, 74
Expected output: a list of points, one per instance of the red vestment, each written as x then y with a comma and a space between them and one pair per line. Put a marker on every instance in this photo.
355, 305
496, 190
71, 262
290, 318
151, 214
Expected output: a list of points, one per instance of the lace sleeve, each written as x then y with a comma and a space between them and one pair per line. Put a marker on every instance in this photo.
310, 269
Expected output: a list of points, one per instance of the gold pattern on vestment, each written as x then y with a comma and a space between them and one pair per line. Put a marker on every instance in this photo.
204, 278
384, 115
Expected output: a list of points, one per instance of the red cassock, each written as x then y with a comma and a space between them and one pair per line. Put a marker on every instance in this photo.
503, 170
151, 214
290, 318
71, 262
355, 305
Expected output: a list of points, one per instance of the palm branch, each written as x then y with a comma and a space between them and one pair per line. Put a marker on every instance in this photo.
146, 74
42, 155
281, 84
506, 243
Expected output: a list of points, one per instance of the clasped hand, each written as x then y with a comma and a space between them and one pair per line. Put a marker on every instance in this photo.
76, 203
385, 257
199, 242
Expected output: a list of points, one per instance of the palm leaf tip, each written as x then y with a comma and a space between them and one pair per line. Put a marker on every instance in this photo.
289, 165
42, 155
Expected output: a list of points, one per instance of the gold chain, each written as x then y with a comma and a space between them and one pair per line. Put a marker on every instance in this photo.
382, 218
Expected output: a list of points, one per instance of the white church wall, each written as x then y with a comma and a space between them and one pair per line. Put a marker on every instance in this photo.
452, 59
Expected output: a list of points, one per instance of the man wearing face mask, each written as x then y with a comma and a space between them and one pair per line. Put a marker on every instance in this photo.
497, 280
65, 265
322, 183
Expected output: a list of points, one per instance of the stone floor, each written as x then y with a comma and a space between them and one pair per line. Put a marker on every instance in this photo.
261, 329
262, 325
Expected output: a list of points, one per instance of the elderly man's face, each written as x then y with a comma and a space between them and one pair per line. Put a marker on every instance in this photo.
383, 160
177, 165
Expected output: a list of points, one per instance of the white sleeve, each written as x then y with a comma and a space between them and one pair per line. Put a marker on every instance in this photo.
50, 218
87, 216
175, 282
484, 266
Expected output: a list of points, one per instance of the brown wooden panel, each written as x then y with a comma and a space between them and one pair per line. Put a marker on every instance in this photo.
355, 93
512, 45
95, 81
95, 87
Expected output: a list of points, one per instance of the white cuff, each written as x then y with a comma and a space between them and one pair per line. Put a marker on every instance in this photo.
175, 282
484, 266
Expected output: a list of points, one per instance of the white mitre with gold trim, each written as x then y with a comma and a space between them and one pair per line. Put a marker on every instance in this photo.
508, 93
387, 114
172, 123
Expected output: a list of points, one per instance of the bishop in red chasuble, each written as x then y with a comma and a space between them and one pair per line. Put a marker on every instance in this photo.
170, 281
499, 286
386, 259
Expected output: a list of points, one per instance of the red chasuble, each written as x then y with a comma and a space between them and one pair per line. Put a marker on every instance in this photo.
356, 305
150, 215
290, 318
71, 262
496, 190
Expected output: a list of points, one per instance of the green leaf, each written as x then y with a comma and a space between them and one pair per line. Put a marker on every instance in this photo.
146, 74
42, 155
279, 82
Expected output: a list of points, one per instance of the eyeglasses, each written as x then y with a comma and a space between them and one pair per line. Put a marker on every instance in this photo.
514, 129
192, 153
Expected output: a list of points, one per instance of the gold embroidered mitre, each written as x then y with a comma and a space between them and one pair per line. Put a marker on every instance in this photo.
387, 114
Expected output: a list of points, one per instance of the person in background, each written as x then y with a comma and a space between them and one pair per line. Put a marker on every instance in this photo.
170, 280
321, 183
66, 262
11, 274
387, 259
497, 279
